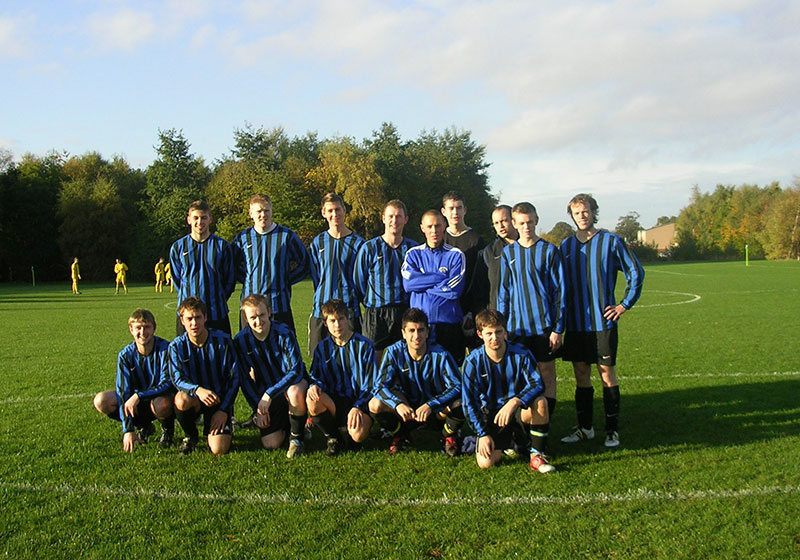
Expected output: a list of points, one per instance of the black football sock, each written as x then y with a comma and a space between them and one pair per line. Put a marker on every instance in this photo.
389, 421
297, 424
584, 406
539, 434
551, 406
453, 422
611, 405
186, 419
327, 423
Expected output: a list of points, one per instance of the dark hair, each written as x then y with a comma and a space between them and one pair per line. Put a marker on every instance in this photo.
524, 208
396, 203
335, 307
333, 198
142, 316
201, 205
489, 318
414, 315
453, 195
192, 303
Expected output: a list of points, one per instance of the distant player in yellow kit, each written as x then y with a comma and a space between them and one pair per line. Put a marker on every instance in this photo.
121, 270
168, 277
75, 270
161, 275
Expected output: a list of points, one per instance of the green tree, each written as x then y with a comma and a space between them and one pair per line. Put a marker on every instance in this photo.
664, 220
559, 233
781, 232
29, 219
628, 227
174, 180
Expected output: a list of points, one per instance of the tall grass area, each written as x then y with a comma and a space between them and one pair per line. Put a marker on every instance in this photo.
708, 466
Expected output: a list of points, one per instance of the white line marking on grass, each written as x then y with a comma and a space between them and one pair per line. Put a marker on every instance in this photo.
16, 400
171, 305
649, 270
705, 375
693, 298
634, 495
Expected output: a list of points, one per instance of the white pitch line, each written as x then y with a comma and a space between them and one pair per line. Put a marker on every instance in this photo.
634, 495
649, 270
694, 298
17, 400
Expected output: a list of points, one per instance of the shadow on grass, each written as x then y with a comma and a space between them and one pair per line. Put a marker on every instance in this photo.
735, 414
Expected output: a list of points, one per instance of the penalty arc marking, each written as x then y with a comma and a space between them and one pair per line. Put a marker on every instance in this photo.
692, 299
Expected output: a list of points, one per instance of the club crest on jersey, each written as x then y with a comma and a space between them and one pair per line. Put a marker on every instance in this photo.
443, 269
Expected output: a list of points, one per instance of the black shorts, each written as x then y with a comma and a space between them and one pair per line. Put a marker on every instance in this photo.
450, 337
208, 412
383, 325
539, 345
278, 416
317, 331
598, 347
515, 430
343, 407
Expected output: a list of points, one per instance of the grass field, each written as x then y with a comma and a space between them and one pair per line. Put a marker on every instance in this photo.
708, 468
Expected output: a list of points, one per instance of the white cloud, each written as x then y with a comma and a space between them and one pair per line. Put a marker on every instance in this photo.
14, 41
122, 30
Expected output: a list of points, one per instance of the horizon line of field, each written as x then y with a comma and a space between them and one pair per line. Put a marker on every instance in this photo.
634, 495
564, 379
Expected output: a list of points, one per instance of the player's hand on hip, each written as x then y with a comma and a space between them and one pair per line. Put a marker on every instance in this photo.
614, 312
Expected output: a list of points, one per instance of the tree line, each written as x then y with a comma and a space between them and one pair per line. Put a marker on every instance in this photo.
56, 207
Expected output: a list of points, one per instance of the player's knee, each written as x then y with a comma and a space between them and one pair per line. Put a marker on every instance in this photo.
375, 405
297, 395
484, 462
273, 440
105, 402
183, 401
162, 407
219, 445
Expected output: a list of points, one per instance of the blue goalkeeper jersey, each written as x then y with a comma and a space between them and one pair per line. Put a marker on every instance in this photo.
435, 279
433, 380
345, 371
276, 362
211, 366
204, 270
487, 385
531, 292
146, 376
332, 264
269, 263
377, 273
590, 273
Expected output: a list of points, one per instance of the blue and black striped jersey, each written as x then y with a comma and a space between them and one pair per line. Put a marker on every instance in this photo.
204, 270
487, 385
269, 263
276, 362
590, 273
377, 273
435, 280
345, 371
531, 294
147, 376
332, 264
211, 366
433, 380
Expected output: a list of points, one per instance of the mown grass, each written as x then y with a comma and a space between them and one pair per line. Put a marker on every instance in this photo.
707, 468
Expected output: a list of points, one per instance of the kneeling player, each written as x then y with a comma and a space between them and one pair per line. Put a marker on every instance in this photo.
271, 371
501, 392
419, 384
202, 366
342, 379
144, 391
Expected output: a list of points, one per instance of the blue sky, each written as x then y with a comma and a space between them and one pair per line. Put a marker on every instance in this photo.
635, 102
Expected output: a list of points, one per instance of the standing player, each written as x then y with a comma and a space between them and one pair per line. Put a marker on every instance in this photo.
270, 259
592, 258
532, 297
160, 275
202, 266
459, 235
333, 256
501, 392
121, 270
433, 273
75, 273
489, 257
271, 371
378, 280
168, 277
202, 367
144, 391
342, 379
419, 385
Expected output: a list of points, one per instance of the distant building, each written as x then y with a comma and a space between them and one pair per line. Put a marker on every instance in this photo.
662, 237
